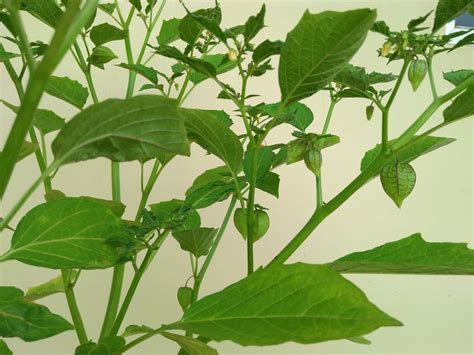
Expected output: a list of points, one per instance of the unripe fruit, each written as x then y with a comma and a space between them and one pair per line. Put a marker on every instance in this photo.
417, 72
369, 112
232, 55
313, 160
261, 223
185, 295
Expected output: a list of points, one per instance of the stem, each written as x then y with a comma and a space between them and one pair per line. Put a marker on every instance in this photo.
142, 339
73, 308
207, 261
155, 173
24, 42
429, 62
86, 70
250, 208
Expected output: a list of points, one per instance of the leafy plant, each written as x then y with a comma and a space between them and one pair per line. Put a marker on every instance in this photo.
278, 302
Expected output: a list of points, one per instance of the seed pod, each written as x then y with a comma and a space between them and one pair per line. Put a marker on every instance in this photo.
185, 295
313, 160
386, 48
398, 180
261, 223
417, 72
296, 151
369, 112
232, 55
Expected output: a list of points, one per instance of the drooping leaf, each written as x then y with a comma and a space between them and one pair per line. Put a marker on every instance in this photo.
215, 137
197, 241
69, 233
270, 184
318, 48
254, 25
208, 194
190, 345
220, 173
169, 31
462, 106
136, 4
411, 255
105, 33
67, 90
27, 320
419, 146
220, 64
47, 11
381, 27
133, 329
110, 345
265, 159
51, 287
459, 76
4, 349
265, 50
147, 72
301, 303
175, 215
139, 128
398, 180
448, 10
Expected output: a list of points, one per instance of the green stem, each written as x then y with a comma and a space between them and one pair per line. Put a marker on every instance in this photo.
142, 339
86, 70
73, 308
155, 173
24, 42
207, 261
434, 92
250, 208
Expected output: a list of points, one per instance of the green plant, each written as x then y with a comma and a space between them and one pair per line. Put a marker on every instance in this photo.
277, 303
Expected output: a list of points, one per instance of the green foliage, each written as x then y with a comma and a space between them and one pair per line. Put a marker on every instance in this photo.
47, 11
462, 106
101, 55
4, 349
70, 233
190, 30
175, 215
51, 287
67, 90
398, 180
4, 56
105, 32
411, 255
448, 10
254, 25
169, 31
185, 297
190, 345
108, 345
27, 320
197, 241
457, 77
295, 301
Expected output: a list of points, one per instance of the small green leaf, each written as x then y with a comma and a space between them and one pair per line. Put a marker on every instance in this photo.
199, 65
448, 10
413, 24
301, 303
190, 345
381, 27
220, 64
459, 76
398, 180
101, 55
4, 56
107, 7
420, 145
208, 194
69, 233
105, 33
411, 255
67, 90
297, 114
51, 287
353, 77
176, 215
210, 23
318, 48
265, 159
140, 128
462, 106
185, 297
376, 78
132, 330
190, 30
47, 11
169, 31
147, 72
4, 349
254, 24
110, 345
27, 320
197, 241
270, 184
220, 173
360, 340
136, 4
265, 50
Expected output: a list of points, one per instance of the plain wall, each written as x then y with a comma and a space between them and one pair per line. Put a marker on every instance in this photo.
437, 311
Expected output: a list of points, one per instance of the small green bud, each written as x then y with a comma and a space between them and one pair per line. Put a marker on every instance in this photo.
232, 55
369, 112
185, 296
313, 160
417, 72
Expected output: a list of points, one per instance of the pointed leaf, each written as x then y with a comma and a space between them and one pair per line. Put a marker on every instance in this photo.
4, 349
462, 106
190, 345
376, 78
448, 10
110, 345
139, 128
4, 56
208, 194
318, 48
301, 303
169, 31
254, 24
47, 11
411, 255
220, 64
105, 33
270, 184
67, 90
197, 241
265, 159
190, 29
354, 77
398, 180
132, 330
459, 76
199, 65
265, 50
147, 72
69, 233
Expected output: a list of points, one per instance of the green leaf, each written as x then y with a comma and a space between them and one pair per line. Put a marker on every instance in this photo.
411, 255
67, 90
197, 241
215, 137
27, 148
459, 76
210, 23
27, 320
108, 7
270, 184
220, 173
462, 106
297, 114
398, 180
420, 145
199, 65
265, 159
101, 55
4, 56
169, 31
353, 77
318, 48
190, 30
301, 303
220, 64
413, 24
376, 78
381, 27
360, 340
4, 349
51, 287
254, 24
136, 4
190, 345
185, 297
47, 11
448, 10
140, 128
105, 33
69, 233
176, 215
147, 72
208, 194
265, 50
132, 330
117, 207
111, 345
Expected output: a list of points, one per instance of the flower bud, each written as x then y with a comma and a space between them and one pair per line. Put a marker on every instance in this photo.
386, 48
232, 55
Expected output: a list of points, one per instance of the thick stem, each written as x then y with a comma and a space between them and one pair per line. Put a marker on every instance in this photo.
24, 42
250, 208
434, 92
73, 308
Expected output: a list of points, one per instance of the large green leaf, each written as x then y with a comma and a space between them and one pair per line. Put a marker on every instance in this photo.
448, 10
4, 349
27, 320
169, 31
215, 137
67, 90
318, 48
462, 106
197, 241
190, 345
459, 76
301, 303
105, 33
411, 255
69, 233
139, 128
418, 147
47, 11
